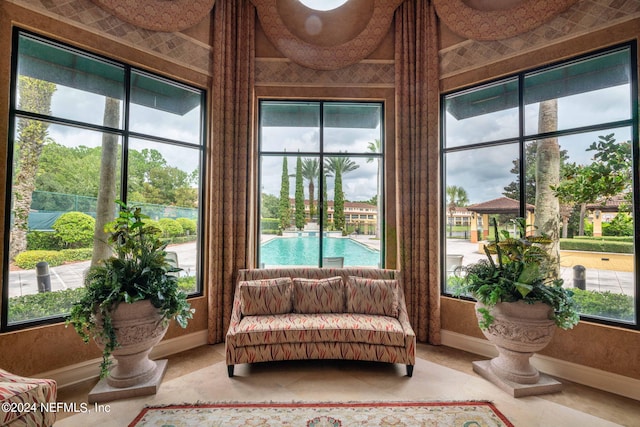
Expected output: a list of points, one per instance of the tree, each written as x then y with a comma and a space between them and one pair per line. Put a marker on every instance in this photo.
310, 172
270, 206
513, 189
300, 214
456, 196
608, 174
338, 202
107, 188
547, 219
325, 201
32, 135
376, 147
285, 207
339, 166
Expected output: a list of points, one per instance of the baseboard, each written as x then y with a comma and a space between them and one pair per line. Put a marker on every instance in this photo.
596, 378
90, 369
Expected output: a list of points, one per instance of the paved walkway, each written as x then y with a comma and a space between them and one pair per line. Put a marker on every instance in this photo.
619, 282
69, 276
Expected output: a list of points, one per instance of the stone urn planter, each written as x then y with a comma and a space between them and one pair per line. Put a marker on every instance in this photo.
521, 302
139, 326
129, 299
518, 331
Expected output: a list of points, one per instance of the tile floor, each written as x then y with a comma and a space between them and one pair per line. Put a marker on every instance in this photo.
441, 373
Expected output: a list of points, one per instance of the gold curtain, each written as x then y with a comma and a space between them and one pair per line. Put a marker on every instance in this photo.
229, 162
417, 109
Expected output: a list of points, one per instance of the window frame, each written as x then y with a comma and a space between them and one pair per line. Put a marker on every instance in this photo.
321, 155
523, 138
123, 132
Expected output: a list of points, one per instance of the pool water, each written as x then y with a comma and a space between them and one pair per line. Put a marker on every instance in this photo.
305, 250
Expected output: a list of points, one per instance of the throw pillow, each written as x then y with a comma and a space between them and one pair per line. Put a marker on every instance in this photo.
318, 295
268, 296
371, 296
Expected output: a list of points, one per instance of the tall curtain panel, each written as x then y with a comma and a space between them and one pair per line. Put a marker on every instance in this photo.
417, 110
229, 160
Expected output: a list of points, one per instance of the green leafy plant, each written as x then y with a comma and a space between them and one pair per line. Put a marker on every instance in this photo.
521, 271
137, 271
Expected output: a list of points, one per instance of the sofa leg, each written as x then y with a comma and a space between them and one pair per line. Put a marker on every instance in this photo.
409, 371
230, 370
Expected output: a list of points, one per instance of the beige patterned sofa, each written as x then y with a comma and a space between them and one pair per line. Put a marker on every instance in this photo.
319, 313
26, 402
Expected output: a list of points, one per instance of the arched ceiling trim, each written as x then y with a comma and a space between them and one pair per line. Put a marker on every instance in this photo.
498, 24
159, 15
326, 57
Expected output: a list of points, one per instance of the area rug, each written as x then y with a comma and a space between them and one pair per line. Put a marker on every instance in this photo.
410, 414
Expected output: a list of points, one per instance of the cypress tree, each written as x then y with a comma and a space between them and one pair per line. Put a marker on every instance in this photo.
338, 202
300, 215
285, 208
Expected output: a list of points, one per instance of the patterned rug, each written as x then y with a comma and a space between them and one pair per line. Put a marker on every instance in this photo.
409, 414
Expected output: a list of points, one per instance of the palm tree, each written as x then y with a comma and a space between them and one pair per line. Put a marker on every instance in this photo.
457, 196
376, 147
547, 220
310, 172
339, 166
32, 135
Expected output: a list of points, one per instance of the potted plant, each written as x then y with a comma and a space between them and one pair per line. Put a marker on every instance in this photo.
130, 298
519, 301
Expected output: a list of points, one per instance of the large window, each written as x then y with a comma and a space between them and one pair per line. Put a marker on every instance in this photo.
558, 146
321, 169
85, 132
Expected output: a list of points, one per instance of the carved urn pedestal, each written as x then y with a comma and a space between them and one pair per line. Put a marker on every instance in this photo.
139, 327
518, 331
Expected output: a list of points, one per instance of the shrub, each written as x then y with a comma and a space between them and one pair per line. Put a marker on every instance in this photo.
29, 259
170, 227
620, 225
43, 240
604, 304
269, 225
593, 245
81, 254
75, 229
153, 223
187, 284
189, 226
45, 304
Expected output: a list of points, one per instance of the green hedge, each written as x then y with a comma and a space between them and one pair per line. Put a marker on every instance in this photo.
170, 227
82, 254
29, 259
41, 305
57, 303
43, 240
190, 226
610, 238
604, 304
621, 247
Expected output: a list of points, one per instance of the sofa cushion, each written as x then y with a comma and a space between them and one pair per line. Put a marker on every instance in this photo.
318, 295
371, 296
317, 328
268, 296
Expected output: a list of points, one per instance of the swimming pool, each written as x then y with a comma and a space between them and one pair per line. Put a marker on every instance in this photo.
305, 250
